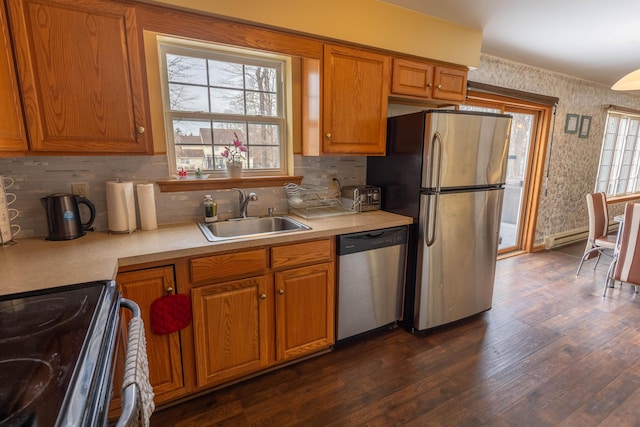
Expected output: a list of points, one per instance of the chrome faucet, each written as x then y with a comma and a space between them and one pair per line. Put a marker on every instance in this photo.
244, 201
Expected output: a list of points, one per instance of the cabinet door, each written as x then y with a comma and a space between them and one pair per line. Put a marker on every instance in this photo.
450, 84
355, 96
13, 137
230, 328
79, 63
305, 310
412, 78
163, 351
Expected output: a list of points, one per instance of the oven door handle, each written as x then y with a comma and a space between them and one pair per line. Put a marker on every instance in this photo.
130, 394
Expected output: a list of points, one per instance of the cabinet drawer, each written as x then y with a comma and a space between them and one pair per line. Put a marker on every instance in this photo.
301, 253
228, 265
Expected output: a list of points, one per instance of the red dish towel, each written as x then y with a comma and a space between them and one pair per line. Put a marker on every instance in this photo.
170, 313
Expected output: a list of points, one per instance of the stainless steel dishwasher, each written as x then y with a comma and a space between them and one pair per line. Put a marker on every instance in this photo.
371, 273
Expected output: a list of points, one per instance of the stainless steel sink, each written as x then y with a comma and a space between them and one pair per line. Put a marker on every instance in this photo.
247, 227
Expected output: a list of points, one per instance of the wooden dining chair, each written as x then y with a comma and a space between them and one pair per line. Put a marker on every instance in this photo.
599, 240
626, 263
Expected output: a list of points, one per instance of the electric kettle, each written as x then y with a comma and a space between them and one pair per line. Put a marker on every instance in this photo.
63, 216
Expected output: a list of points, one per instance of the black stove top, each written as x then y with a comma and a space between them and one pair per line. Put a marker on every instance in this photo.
50, 345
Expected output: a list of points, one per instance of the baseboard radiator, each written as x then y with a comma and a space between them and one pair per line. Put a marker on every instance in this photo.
572, 236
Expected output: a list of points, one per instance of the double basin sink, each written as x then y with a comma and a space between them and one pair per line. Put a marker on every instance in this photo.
248, 227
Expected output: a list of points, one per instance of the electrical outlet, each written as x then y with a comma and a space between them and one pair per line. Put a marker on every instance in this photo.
81, 189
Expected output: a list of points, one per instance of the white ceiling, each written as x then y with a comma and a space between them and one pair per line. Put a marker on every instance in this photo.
590, 39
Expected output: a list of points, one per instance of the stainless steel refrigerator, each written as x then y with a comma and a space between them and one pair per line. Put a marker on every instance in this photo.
447, 170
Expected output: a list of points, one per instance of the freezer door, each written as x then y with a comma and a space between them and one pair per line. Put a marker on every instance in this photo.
465, 150
456, 256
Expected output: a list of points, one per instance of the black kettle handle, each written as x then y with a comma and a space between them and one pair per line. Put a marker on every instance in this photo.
92, 209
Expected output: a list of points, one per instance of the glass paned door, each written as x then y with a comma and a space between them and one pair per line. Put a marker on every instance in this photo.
522, 136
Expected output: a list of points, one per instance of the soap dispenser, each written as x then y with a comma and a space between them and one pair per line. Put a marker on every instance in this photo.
210, 209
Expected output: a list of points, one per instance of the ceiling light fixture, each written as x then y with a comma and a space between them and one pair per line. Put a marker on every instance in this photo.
629, 82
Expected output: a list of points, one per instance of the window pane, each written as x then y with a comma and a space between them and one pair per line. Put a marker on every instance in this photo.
186, 69
265, 157
191, 132
226, 74
223, 132
227, 101
262, 104
612, 124
264, 134
260, 78
192, 157
188, 98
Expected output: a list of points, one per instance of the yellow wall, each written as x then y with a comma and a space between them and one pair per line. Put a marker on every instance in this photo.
368, 22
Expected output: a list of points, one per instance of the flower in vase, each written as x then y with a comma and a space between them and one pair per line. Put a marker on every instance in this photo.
236, 152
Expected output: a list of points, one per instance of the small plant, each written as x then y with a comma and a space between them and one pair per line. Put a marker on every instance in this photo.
235, 153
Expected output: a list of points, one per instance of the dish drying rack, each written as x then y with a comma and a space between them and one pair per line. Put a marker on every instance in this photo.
312, 201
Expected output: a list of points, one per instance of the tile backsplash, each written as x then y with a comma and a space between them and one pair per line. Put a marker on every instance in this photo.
37, 177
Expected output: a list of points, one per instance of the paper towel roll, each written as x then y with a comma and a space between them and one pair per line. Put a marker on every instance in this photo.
147, 206
121, 207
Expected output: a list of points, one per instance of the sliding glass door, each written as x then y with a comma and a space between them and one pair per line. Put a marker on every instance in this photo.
517, 226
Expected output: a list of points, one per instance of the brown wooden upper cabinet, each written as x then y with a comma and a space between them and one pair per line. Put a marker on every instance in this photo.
79, 65
429, 81
13, 138
352, 103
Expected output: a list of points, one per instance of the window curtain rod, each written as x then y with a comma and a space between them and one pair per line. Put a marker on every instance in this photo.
551, 101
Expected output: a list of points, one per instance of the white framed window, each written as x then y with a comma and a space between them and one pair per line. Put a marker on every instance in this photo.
619, 169
213, 94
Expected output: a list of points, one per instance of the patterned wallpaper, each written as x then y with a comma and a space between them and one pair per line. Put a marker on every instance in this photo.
572, 162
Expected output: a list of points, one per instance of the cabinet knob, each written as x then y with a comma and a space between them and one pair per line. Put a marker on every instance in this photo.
439, 86
140, 130
328, 136
263, 296
169, 290
429, 84
281, 291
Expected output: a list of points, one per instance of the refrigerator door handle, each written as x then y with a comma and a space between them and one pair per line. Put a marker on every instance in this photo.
436, 141
430, 216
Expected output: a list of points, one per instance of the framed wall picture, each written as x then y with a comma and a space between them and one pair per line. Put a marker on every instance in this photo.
585, 125
571, 124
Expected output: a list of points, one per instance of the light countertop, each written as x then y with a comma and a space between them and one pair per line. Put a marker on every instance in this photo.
36, 263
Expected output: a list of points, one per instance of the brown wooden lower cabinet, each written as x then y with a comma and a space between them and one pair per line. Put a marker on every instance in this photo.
163, 351
230, 327
241, 325
305, 310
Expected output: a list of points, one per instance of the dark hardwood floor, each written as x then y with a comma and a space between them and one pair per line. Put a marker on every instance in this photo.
551, 352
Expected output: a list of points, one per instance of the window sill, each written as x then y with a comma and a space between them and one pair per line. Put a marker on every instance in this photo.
176, 185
